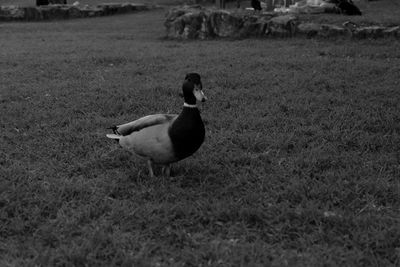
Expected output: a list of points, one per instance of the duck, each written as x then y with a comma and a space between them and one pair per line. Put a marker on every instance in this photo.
346, 7
164, 139
256, 5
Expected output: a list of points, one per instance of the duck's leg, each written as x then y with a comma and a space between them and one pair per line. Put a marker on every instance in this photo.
166, 170
150, 166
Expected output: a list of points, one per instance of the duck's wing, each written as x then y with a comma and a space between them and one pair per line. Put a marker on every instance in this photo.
144, 122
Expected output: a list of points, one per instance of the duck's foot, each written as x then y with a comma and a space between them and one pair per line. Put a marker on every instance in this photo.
166, 170
150, 166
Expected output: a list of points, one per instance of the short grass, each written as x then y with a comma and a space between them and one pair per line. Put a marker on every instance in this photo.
300, 166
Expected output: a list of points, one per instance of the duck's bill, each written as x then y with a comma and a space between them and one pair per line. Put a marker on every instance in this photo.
200, 96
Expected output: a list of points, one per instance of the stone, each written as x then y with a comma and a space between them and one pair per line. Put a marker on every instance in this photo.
91, 12
54, 13
368, 32
139, 7
254, 26
32, 13
116, 8
282, 26
392, 32
224, 24
193, 25
308, 29
62, 11
74, 13
11, 13
330, 30
187, 24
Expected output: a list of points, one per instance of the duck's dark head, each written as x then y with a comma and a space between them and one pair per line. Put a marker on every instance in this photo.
192, 89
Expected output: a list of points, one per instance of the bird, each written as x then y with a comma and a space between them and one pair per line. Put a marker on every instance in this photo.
166, 138
256, 5
346, 7
349, 8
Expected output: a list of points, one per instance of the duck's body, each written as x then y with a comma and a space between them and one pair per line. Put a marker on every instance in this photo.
349, 8
256, 5
166, 138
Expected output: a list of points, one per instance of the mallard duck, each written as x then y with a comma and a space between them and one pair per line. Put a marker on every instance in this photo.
256, 5
166, 138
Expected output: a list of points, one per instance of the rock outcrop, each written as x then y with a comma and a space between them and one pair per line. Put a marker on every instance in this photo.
196, 22
54, 12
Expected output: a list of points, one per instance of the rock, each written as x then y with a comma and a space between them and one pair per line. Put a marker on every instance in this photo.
282, 26
308, 29
91, 12
74, 12
192, 24
32, 13
224, 24
252, 26
329, 30
189, 23
54, 13
320, 30
62, 11
116, 8
11, 13
255, 26
392, 32
368, 32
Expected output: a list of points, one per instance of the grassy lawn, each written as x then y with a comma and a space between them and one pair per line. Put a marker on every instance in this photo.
300, 166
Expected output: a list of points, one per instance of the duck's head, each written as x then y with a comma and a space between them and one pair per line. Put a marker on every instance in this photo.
192, 89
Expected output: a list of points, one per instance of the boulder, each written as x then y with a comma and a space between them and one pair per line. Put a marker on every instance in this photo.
368, 32
308, 29
54, 13
330, 30
282, 26
32, 13
58, 10
253, 26
392, 32
11, 13
224, 24
186, 24
92, 12
114, 8
75, 12
117, 8
192, 24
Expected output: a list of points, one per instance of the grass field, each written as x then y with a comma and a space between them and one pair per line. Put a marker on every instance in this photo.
300, 166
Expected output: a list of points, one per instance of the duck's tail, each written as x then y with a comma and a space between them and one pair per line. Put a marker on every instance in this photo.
114, 136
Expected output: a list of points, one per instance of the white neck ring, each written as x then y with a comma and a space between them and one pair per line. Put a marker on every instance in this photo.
189, 105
